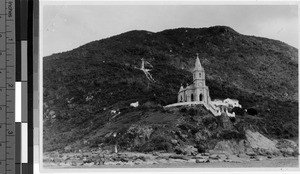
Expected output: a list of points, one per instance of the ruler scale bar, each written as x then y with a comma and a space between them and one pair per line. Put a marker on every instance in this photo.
18, 41
16, 84
30, 86
24, 60
24, 143
18, 168
24, 99
18, 113
18, 61
7, 86
18, 139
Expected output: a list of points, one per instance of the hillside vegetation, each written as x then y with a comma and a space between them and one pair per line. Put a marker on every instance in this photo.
83, 85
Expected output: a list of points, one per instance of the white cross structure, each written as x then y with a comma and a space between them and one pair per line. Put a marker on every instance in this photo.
146, 71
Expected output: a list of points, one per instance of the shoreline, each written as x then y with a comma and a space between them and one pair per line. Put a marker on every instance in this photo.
167, 160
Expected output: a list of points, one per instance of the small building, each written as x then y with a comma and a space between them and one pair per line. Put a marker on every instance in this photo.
226, 104
232, 103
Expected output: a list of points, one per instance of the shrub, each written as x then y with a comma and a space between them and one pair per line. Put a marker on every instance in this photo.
232, 119
202, 147
183, 110
124, 142
188, 127
252, 111
238, 111
156, 143
209, 120
228, 135
201, 111
295, 153
166, 146
110, 140
192, 112
96, 142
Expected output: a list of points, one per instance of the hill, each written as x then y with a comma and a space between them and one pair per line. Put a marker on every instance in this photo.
83, 85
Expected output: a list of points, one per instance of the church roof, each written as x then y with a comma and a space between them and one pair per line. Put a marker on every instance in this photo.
198, 66
190, 86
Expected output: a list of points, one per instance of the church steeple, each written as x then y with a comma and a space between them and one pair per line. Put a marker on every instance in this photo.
198, 74
198, 66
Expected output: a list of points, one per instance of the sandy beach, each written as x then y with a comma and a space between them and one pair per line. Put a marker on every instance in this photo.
274, 163
168, 160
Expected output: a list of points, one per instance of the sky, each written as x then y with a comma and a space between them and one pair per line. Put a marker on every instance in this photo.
66, 27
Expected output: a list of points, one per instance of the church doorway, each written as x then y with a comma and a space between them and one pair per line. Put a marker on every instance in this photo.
192, 97
200, 97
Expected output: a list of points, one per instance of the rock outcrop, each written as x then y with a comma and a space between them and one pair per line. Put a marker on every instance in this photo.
233, 147
261, 144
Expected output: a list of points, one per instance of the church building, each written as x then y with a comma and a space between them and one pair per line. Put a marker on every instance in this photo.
198, 94
197, 91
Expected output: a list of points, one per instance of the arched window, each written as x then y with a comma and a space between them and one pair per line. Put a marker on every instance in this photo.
192, 97
200, 97
199, 74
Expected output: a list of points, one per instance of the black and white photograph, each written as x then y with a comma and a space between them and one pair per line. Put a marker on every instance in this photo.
169, 85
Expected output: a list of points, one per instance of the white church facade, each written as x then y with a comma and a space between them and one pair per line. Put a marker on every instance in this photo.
198, 93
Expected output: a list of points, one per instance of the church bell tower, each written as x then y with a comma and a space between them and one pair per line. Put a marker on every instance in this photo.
199, 80
198, 74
